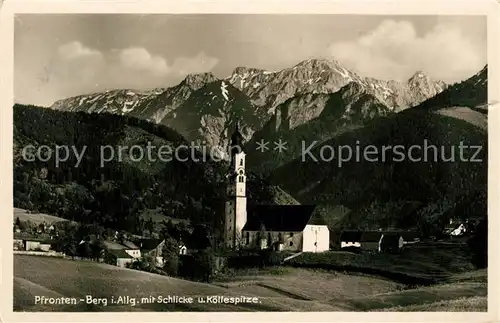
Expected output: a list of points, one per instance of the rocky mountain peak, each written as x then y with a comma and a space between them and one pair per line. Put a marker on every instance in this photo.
418, 75
241, 70
321, 63
197, 81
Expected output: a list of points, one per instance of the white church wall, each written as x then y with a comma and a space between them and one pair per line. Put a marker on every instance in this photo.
316, 238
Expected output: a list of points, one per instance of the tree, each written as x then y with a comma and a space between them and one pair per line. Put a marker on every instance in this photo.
97, 246
70, 248
205, 265
149, 225
120, 237
84, 250
200, 238
478, 244
170, 255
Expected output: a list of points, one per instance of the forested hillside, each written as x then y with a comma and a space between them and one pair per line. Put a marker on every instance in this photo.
116, 194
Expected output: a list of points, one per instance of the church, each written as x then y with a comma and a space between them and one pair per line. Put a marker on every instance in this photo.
293, 228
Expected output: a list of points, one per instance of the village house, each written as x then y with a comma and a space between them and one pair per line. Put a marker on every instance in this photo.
120, 254
130, 248
350, 239
154, 249
278, 227
28, 242
410, 237
117, 257
391, 242
371, 240
364, 240
376, 240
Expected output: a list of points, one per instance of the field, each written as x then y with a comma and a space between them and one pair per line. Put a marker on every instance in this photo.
422, 264
278, 289
36, 218
44, 276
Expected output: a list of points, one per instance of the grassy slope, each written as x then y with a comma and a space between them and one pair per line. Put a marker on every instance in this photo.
101, 280
415, 265
465, 292
313, 285
474, 117
351, 292
281, 289
36, 218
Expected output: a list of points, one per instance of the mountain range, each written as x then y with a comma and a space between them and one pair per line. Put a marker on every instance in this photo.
314, 101
198, 109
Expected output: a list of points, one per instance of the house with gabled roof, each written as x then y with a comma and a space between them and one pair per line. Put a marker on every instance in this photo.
371, 240
154, 249
132, 249
29, 242
350, 239
391, 242
410, 237
118, 257
122, 253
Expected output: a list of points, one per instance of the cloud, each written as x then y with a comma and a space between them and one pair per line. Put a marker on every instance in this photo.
394, 50
138, 58
76, 69
197, 64
75, 50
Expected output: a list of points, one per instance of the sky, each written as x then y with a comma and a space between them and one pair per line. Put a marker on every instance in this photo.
59, 56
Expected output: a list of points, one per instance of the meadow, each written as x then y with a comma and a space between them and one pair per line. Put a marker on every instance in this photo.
283, 288
36, 218
420, 264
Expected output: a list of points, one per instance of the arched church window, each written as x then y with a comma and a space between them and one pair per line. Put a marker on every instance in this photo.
240, 179
241, 162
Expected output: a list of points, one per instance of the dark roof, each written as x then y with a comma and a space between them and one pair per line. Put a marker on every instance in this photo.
129, 244
392, 234
391, 237
42, 238
410, 235
350, 236
119, 253
371, 236
111, 245
150, 244
292, 218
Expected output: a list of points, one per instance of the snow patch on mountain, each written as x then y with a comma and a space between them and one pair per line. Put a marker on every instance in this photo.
224, 91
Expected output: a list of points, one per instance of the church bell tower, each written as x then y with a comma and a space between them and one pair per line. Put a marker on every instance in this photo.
236, 201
